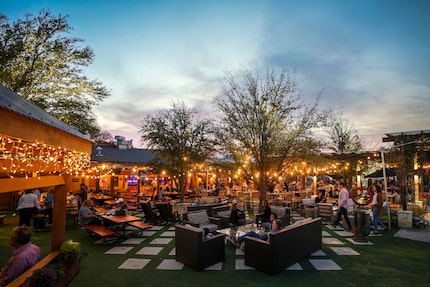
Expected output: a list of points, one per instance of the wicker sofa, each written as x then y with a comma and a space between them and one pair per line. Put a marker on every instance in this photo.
223, 213
207, 207
196, 251
202, 220
284, 247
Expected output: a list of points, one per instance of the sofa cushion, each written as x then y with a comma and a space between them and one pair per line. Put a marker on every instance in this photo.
224, 213
199, 217
193, 228
308, 201
279, 211
211, 226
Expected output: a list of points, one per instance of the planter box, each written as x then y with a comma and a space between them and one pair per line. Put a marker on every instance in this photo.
69, 274
404, 218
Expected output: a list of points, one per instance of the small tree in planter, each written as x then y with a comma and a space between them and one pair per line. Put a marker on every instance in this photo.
70, 252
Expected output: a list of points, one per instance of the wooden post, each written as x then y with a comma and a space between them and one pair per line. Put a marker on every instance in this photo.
58, 233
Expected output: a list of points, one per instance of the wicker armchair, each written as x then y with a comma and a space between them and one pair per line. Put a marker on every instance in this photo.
196, 251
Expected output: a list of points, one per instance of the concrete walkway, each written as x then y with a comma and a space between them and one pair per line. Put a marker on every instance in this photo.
416, 234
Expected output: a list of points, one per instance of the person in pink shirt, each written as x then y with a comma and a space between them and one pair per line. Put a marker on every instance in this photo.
342, 204
24, 256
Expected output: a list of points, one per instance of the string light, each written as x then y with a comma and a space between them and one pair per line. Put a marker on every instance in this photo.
17, 155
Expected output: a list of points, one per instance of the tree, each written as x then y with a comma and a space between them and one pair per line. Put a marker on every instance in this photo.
104, 137
266, 125
40, 63
342, 136
179, 140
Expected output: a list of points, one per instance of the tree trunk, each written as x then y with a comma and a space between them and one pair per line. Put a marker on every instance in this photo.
403, 189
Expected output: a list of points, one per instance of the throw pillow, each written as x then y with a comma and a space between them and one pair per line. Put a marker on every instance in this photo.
198, 217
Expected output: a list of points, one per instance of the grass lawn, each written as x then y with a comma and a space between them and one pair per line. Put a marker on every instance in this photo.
388, 262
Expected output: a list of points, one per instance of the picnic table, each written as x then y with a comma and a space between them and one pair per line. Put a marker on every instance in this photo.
119, 222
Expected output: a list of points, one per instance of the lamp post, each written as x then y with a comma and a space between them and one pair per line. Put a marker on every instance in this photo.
386, 188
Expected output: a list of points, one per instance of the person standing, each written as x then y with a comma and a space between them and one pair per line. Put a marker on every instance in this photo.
49, 204
36, 191
83, 192
27, 205
161, 193
377, 203
342, 204
24, 256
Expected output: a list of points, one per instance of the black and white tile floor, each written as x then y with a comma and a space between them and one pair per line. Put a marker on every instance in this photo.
152, 244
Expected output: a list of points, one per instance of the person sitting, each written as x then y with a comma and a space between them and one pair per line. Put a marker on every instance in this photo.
86, 216
265, 216
236, 215
49, 204
121, 209
71, 198
24, 256
268, 225
276, 225
319, 198
197, 202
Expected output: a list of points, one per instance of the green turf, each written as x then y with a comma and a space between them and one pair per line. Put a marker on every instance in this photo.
388, 262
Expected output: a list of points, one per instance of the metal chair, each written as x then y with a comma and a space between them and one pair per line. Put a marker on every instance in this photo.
166, 214
151, 215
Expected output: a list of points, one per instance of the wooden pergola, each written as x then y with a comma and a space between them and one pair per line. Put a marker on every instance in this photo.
36, 151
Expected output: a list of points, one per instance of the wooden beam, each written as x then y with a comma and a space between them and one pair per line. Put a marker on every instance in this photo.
15, 125
14, 184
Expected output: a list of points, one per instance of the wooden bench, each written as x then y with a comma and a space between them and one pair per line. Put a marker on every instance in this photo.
99, 230
131, 208
19, 281
140, 225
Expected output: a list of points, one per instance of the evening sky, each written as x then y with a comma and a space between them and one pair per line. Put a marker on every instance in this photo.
370, 60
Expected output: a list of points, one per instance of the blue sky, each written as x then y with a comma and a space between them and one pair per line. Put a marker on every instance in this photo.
370, 59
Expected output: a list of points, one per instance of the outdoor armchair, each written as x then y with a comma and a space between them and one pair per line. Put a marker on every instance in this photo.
196, 250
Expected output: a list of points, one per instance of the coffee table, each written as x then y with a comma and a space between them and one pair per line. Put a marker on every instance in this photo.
237, 231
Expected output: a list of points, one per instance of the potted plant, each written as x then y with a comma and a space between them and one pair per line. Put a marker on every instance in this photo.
62, 270
45, 277
70, 259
